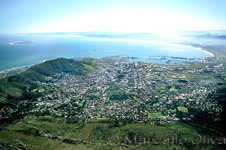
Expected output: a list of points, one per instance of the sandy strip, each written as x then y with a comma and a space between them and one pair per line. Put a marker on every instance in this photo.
198, 48
155, 42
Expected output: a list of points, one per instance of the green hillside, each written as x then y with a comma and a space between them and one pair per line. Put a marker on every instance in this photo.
49, 68
220, 95
96, 135
14, 87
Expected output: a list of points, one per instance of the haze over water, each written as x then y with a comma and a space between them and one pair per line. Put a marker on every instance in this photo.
46, 47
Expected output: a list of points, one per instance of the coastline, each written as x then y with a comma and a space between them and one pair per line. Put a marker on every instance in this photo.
13, 71
131, 40
156, 42
199, 48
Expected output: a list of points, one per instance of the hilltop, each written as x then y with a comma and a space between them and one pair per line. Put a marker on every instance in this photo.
17, 87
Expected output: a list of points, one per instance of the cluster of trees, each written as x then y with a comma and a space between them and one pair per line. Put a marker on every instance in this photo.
117, 94
220, 96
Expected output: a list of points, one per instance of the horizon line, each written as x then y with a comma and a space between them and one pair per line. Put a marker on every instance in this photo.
117, 32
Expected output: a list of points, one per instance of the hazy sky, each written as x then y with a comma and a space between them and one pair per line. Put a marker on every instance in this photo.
30, 16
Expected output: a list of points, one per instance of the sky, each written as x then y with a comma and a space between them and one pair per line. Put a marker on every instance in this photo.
153, 16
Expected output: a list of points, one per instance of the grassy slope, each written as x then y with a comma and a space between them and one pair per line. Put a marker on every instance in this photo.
220, 95
14, 87
98, 133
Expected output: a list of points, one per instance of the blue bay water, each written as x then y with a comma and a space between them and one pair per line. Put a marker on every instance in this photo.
46, 47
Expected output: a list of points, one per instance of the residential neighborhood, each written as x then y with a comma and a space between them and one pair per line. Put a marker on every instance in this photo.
142, 92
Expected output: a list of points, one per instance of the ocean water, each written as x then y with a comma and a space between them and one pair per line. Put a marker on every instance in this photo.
46, 47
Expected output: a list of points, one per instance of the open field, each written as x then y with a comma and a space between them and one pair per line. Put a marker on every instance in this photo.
182, 109
156, 115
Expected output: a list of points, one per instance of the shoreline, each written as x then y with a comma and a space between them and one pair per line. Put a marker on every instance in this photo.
13, 71
156, 42
130, 40
199, 48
